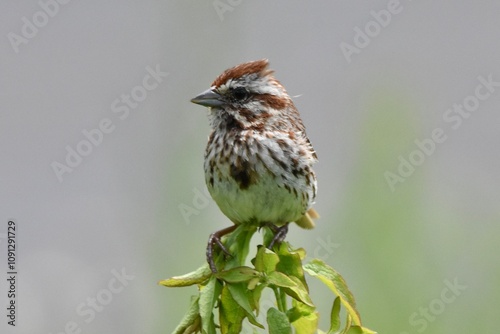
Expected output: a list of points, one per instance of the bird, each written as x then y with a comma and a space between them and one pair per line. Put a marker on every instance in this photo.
258, 159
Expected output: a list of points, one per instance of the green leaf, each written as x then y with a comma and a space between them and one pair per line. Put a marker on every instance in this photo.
253, 283
190, 323
238, 244
290, 262
278, 322
198, 276
267, 235
335, 317
294, 313
304, 318
307, 324
280, 279
238, 274
292, 286
300, 291
337, 284
266, 260
208, 296
242, 296
231, 315
256, 293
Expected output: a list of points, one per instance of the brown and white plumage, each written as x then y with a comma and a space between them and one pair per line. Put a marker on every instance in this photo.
258, 161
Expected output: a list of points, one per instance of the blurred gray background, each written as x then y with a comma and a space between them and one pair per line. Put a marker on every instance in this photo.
418, 247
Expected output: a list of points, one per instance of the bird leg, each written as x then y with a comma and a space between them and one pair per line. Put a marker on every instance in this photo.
279, 234
215, 239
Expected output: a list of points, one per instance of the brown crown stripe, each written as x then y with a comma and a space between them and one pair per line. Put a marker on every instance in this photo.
238, 71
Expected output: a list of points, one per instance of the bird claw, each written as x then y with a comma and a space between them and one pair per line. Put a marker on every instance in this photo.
279, 234
215, 239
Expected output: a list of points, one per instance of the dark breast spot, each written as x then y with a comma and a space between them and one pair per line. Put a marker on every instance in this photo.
243, 174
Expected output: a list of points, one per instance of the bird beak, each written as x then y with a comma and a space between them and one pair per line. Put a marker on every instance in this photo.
209, 98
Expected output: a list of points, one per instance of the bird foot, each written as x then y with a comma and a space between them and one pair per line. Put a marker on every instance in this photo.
279, 234
215, 239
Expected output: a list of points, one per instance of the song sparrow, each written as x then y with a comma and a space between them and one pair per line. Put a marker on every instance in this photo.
258, 158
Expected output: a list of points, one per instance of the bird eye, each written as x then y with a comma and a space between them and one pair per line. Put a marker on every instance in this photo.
240, 93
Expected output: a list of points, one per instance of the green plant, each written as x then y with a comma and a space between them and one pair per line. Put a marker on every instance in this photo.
236, 290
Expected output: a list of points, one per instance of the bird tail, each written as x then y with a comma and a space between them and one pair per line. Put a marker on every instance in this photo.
306, 221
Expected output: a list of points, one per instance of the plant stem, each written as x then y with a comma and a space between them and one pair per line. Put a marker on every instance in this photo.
280, 299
